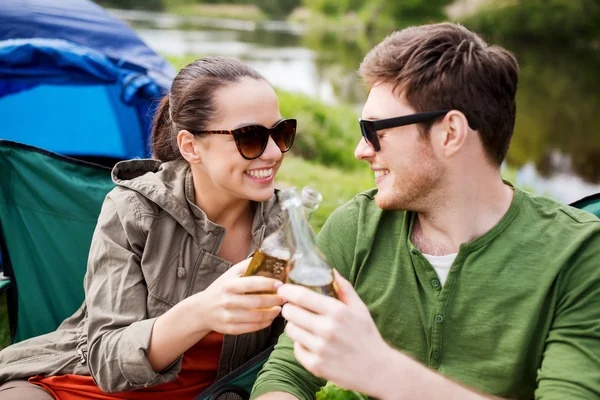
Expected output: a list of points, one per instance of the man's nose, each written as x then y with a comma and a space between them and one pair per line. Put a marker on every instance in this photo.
363, 150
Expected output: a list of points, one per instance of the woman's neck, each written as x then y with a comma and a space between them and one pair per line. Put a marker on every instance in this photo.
219, 206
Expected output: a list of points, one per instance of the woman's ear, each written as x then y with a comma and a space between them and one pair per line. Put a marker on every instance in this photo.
188, 147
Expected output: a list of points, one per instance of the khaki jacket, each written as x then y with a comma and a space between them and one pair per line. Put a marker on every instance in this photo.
152, 248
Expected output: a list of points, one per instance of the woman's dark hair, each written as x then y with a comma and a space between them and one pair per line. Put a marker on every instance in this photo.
190, 103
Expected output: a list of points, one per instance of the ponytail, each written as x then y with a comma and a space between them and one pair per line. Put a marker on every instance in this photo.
164, 140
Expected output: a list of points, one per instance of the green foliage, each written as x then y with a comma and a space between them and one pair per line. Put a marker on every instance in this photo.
334, 7
333, 392
547, 21
326, 134
382, 14
278, 9
154, 5
337, 186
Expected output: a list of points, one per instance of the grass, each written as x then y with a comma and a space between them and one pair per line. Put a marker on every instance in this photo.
4, 331
336, 186
245, 12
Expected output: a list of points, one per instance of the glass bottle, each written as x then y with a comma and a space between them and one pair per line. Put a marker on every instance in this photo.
307, 266
274, 253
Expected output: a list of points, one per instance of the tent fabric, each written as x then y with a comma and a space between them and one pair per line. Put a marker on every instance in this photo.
590, 204
49, 205
77, 81
48, 61
86, 24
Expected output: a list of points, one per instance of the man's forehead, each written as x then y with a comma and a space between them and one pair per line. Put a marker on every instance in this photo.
384, 102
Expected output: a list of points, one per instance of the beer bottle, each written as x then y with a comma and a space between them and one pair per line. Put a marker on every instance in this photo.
307, 266
273, 255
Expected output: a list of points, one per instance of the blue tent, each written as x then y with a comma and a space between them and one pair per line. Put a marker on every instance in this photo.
76, 81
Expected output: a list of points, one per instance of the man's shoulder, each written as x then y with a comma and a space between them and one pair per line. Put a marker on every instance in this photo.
547, 208
362, 205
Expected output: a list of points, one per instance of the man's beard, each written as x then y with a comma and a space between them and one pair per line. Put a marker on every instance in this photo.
414, 191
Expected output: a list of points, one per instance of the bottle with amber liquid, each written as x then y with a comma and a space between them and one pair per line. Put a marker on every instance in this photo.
275, 252
307, 266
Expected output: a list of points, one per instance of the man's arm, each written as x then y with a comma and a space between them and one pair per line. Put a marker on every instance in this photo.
571, 361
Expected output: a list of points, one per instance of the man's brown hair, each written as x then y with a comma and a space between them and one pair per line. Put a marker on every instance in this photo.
447, 67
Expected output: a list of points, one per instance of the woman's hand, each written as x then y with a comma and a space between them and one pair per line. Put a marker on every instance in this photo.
226, 307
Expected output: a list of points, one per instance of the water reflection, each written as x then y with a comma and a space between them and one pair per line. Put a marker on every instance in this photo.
556, 147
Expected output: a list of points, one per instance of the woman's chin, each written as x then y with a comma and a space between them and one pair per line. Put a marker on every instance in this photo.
262, 194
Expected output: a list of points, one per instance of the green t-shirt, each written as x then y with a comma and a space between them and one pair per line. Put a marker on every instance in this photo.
518, 316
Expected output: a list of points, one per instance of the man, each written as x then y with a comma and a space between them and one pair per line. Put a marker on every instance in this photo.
460, 286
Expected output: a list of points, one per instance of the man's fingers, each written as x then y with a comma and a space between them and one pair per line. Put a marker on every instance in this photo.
306, 298
301, 317
306, 358
304, 337
345, 290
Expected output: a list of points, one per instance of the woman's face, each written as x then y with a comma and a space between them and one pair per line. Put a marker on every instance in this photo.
247, 102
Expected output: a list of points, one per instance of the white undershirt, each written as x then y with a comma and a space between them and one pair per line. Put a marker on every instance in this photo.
441, 264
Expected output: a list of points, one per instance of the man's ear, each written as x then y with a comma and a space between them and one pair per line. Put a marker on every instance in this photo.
188, 147
453, 131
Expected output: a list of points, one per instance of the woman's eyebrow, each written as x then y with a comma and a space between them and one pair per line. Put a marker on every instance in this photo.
244, 124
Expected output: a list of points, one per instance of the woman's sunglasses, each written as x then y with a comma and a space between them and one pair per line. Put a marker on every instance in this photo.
369, 128
252, 140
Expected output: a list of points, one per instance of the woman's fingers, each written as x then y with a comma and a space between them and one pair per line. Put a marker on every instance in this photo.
253, 284
258, 316
253, 301
239, 329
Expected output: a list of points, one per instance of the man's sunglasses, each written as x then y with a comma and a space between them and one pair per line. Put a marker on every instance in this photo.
251, 141
369, 128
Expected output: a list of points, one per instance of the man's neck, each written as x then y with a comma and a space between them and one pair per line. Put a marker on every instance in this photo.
461, 217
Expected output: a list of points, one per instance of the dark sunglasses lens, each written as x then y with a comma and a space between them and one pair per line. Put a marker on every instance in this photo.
370, 134
252, 141
284, 133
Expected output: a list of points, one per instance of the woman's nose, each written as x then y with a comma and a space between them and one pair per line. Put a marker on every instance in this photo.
272, 151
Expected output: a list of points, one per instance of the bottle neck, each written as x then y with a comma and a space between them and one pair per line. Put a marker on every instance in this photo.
300, 229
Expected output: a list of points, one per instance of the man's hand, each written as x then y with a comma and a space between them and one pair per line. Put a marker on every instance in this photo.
339, 341
334, 339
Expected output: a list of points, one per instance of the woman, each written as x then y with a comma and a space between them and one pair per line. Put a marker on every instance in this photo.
163, 310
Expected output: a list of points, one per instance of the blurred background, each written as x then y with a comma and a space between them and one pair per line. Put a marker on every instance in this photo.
310, 51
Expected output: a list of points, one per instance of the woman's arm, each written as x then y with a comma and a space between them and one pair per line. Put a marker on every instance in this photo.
126, 349
223, 307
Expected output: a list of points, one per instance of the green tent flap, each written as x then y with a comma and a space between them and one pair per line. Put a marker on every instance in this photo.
49, 205
589, 204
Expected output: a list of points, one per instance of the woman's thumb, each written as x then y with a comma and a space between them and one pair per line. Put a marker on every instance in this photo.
240, 268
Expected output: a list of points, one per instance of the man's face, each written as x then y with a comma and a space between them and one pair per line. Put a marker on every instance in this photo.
406, 169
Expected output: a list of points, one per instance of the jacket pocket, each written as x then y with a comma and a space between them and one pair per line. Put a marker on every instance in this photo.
208, 268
